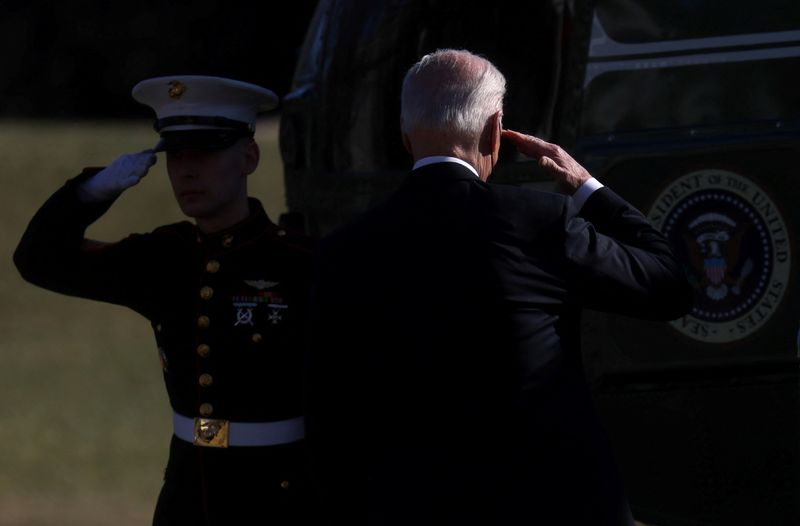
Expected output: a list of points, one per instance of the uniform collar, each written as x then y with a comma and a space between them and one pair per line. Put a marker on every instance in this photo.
240, 233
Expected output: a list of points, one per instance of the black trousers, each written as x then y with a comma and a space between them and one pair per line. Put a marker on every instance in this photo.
237, 485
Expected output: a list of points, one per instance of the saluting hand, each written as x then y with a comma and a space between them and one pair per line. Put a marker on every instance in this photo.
124, 172
567, 172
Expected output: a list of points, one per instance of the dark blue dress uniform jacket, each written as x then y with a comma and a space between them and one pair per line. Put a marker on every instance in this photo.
229, 308
445, 374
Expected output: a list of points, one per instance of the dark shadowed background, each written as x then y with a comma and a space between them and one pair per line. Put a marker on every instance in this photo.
80, 59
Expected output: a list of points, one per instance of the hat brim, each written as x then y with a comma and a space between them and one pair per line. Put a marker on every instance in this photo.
206, 140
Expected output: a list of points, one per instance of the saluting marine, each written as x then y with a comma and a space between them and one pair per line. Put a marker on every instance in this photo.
226, 297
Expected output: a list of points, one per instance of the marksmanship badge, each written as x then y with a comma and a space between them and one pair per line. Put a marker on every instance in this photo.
735, 247
244, 316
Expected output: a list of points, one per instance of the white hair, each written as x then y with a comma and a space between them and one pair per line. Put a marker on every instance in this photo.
451, 91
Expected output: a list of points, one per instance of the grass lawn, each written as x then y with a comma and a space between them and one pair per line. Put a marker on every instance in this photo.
85, 418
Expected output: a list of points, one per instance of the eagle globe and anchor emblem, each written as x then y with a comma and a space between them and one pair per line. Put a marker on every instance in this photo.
735, 246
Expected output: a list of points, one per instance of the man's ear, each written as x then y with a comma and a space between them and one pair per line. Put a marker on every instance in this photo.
496, 133
490, 137
252, 154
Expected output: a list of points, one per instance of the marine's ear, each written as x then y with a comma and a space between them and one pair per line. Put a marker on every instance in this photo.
252, 154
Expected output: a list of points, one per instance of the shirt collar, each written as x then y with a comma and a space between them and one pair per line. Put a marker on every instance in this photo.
425, 161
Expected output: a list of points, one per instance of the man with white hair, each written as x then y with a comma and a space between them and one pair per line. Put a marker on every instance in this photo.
226, 296
445, 375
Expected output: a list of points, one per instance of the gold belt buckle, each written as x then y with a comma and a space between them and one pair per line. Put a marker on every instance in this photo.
211, 432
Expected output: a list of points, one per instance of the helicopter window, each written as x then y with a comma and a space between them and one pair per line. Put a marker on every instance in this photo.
698, 95
657, 64
637, 21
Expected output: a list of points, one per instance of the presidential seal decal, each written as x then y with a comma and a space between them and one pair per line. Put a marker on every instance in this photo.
735, 249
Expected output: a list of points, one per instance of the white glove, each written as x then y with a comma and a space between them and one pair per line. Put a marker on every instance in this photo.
117, 177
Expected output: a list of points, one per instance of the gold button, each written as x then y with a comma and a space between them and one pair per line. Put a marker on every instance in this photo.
203, 350
206, 293
257, 338
281, 232
227, 241
285, 484
203, 322
212, 266
205, 380
206, 409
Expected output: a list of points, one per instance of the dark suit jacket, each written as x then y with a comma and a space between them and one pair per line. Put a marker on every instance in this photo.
445, 383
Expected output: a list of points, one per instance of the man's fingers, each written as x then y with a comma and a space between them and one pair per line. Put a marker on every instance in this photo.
548, 164
528, 144
567, 172
145, 156
150, 155
142, 162
130, 181
512, 135
535, 147
521, 140
124, 172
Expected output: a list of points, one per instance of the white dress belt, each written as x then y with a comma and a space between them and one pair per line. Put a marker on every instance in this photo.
247, 433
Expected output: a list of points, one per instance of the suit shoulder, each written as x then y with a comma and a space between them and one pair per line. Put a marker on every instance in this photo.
519, 200
508, 191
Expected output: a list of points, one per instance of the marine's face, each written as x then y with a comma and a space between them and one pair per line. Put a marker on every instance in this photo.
208, 183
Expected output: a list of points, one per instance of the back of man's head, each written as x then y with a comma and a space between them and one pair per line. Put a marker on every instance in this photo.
451, 91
